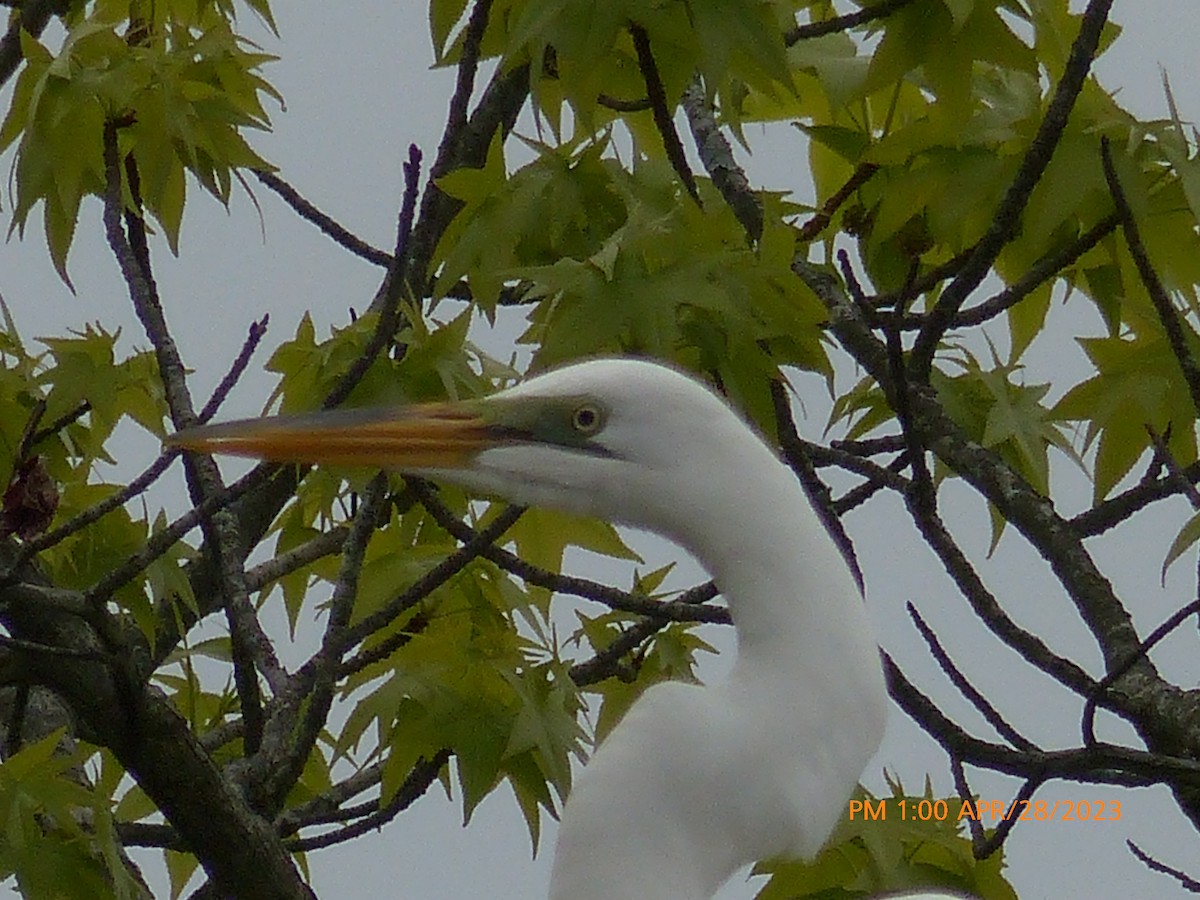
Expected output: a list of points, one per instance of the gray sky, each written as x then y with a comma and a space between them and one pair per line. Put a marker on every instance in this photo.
358, 90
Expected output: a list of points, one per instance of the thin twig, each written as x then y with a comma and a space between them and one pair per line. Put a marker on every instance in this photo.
1155, 866
610, 596
1174, 472
616, 103
253, 338
661, 109
418, 781
319, 675
886, 476
891, 443
821, 219
1008, 822
67, 418
322, 808
162, 541
476, 546
843, 23
796, 455
965, 794
1041, 271
605, 663
468, 66
968, 690
1117, 509
984, 604
325, 544
389, 312
326, 224
1177, 618
856, 496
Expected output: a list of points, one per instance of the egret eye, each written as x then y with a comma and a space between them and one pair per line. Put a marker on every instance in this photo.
586, 419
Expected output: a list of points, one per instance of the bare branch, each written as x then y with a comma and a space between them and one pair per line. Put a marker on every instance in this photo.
1097, 693
252, 649
661, 108
968, 690
326, 224
257, 331
1164, 714
843, 23
1115, 510
814, 226
1099, 764
418, 781
1154, 865
567, 584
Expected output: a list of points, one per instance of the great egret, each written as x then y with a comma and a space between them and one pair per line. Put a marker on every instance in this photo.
696, 781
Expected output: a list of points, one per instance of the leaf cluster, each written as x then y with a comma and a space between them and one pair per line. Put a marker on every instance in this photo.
182, 85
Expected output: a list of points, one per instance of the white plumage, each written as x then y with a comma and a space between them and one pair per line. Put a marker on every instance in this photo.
697, 781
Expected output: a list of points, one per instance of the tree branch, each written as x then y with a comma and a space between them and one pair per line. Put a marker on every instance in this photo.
1004, 221
843, 23
1168, 316
326, 224
716, 155
612, 597
661, 109
964, 686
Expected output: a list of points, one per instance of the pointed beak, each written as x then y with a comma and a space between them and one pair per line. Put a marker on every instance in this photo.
433, 436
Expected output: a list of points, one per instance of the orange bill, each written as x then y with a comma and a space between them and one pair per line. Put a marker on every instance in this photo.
441, 435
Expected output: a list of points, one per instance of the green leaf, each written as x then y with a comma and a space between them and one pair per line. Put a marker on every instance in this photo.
899, 843
180, 869
1187, 536
1137, 386
41, 806
185, 95
443, 16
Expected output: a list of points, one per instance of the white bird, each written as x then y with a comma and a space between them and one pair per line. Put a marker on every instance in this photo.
696, 781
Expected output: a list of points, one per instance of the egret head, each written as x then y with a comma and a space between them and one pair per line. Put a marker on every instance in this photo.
626, 440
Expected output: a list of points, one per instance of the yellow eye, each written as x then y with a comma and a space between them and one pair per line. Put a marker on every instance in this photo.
586, 419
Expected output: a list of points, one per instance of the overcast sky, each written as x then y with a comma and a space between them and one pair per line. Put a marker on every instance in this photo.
358, 88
